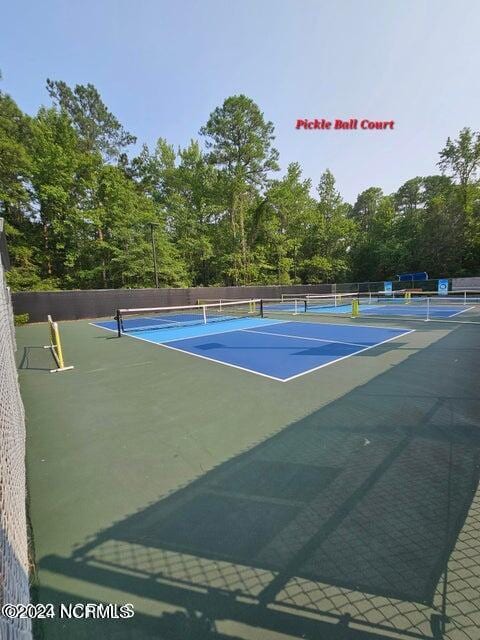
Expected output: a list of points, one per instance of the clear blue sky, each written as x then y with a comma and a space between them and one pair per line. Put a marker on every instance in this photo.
162, 67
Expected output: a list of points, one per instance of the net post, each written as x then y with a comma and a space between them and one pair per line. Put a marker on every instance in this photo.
55, 346
204, 310
428, 308
119, 324
355, 308
305, 306
465, 297
58, 346
261, 307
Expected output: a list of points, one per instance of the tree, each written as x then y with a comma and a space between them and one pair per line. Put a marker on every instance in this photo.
409, 197
15, 195
240, 144
96, 126
375, 252
195, 212
462, 157
182, 186
279, 226
328, 235
62, 176
122, 255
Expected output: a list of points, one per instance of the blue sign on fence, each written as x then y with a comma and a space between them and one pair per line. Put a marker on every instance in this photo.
443, 287
412, 277
388, 288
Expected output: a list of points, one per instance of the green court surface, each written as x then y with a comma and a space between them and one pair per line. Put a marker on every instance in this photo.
223, 505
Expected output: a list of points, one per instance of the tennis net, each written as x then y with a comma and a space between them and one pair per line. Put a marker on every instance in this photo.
132, 320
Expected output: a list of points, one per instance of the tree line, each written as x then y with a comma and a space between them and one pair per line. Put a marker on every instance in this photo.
79, 207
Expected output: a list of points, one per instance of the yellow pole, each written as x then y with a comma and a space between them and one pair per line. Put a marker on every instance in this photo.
355, 308
58, 345
55, 347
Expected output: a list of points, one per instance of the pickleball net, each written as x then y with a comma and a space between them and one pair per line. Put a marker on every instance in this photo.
150, 319
296, 303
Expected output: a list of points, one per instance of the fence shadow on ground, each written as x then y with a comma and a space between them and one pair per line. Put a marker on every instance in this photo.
354, 523
36, 358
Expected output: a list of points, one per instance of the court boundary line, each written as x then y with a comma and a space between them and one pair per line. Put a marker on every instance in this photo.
459, 312
259, 373
285, 335
266, 375
228, 364
346, 324
299, 375
167, 346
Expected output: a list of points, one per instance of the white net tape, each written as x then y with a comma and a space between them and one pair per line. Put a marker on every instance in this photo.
13, 523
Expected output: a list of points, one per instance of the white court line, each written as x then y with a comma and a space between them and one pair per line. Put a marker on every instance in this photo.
190, 353
228, 364
345, 324
258, 373
303, 373
105, 328
218, 333
286, 335
459, 312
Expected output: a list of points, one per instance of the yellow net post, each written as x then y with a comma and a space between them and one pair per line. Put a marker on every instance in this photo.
408, 297
355, 308
55, 347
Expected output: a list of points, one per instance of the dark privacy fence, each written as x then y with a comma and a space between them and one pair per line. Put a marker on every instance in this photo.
100, 303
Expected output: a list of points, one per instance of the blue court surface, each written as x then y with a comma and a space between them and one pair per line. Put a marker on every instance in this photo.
274, 349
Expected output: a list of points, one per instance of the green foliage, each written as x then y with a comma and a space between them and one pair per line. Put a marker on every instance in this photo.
240, 144
462, 156
96, 126
78, 211
21, 318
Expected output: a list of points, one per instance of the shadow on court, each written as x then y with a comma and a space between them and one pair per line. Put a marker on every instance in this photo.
356, 522
36, 357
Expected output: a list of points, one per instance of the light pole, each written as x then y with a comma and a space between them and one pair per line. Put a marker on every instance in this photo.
154, 251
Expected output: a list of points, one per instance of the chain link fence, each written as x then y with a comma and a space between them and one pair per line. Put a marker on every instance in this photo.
14, 586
